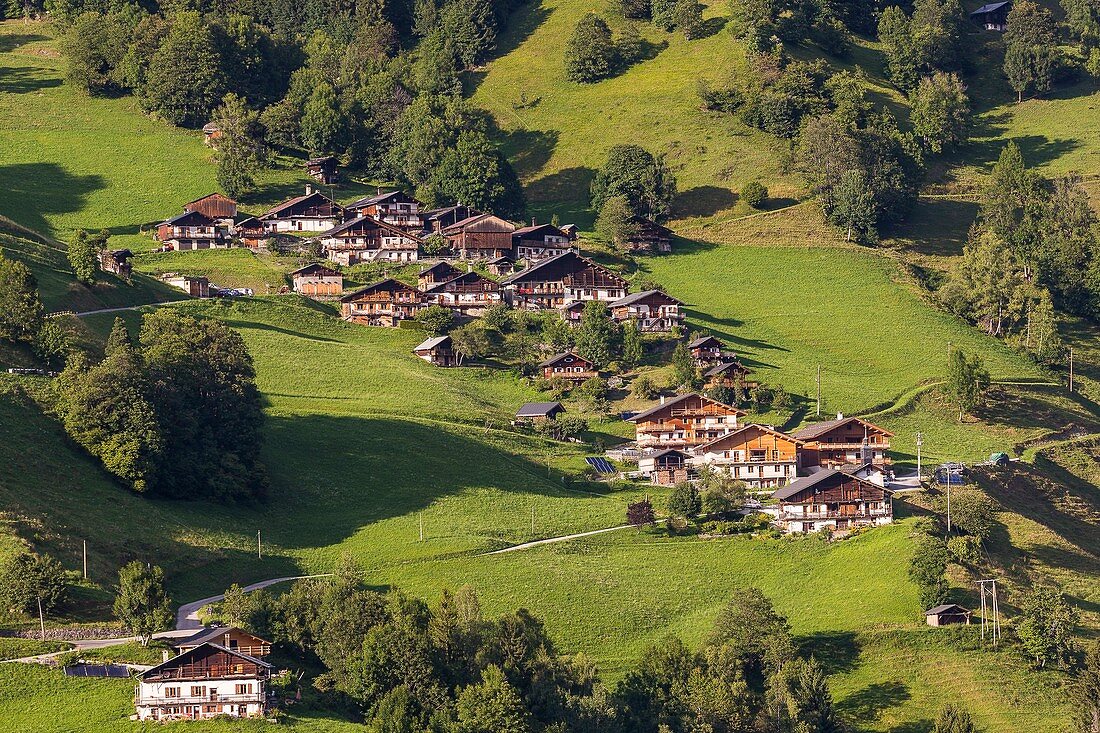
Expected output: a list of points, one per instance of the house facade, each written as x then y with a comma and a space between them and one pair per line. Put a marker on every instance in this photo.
666, 467
204, 682
831, 499
192, 230
438, 351
561, 280
706, 351
317, 280
758, 455
481, 237
311, 212
653, 310
539, 242
395, 208
384, 303
992, 16
570, 366
844, 441
648, 237
440, 272
434, 221
365, 239
728, 373
469, 293
195, 286
684, 422
232, 638
323, 169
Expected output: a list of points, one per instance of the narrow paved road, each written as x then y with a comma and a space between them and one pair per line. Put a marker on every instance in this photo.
563, 538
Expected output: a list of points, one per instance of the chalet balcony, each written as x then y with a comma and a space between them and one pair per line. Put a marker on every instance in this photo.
839, 445
253, 697
188, 672
834, 514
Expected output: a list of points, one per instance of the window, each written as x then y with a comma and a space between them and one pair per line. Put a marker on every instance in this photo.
243, 689
171, 692
198, 691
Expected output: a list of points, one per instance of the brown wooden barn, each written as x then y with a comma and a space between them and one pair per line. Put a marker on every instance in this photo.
384, 303
481, 237
570, 366
559, 280
315, 279
844, 441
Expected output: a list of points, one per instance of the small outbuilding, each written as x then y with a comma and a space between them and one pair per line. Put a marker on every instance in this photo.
438, 351
949, 613
116, 261
666, 467
539, 411
992, 16
315, 279
323, 169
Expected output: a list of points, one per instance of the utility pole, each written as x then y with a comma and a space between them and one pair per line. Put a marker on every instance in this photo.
819, 390
1071, 369
987, 589
920, 442
259, 552
85, 559
421, 516
948, 501
41, 617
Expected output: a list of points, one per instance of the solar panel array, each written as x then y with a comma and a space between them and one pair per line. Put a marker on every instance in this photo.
601, 464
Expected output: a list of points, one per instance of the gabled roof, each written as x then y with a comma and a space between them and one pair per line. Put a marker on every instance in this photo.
733, 434
501, 260
322, 160
476, 276
649, 224
808, 482
369, 220
314, 267
854, 468
473, 219
433, 342
946, 608
539, 409
398, 195
212, 633
725, 366
816, 430
442, 265
635, 297
556, 259
677, 400
207, 196
544, 229
189, 218
703, 341
289, 203
556, 358
375, 286
120, 254
195, 652
989, 8
666, 451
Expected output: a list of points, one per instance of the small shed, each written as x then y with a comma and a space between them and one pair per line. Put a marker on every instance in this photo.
323, 169
438, 351
666, 467
315, 279
501, 266
949, 613
210, 134
116, 261
992, 16
539, 411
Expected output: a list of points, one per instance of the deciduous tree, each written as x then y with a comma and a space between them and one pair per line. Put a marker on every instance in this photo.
142, 602
590, 53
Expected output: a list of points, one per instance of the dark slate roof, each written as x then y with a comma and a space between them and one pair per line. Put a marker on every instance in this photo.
182, 218
208, 635
312, 267
666, 451
702, 341
538, 409
635, 297
365, 219
989, 8
818, 429
946, 608
501, 260
219, 647
807, 482
581, 262
472, 275
373, 286
442, 264
432, 343
320, 161
539, 227
725, 367
558, 357
855, 468
379, 198
676, 400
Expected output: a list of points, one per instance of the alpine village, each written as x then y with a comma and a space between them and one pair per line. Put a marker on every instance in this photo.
550, 366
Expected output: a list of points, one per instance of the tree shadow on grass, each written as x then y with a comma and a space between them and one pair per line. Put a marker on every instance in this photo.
938, 226
835, 651
10, 42
528, 150
257, 326
1037, 150
564, 193
34, 190
703, 201
23, 80
711, 27
913, 726
867, 705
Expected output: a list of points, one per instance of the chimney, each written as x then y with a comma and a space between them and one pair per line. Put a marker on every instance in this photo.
662, 399
532, 221
309, 189
840, 416
164, 655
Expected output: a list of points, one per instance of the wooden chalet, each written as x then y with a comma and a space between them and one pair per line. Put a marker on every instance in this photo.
948, 613
395, 208
501, 266
563, 279
571, 231
231, 637
573, 311
250, 232
214, 205
992, 16
666, 467
438, 351
206, 681
315, 279
653, 310
310, 212
116, 261
384, 303
364, 239
648, 237
844, 441
868, 472
434, 221
539, 242
539, 412
684, 422
728, 373
481, 237
196, 287
706, 351
831, 499
570, 366
323, 169
761, 456
469, 293
192, 230
440, 272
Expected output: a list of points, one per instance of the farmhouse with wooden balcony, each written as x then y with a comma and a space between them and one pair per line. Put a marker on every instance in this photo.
435, 221
203, 682
323, 169
470, 293
653, 310
760, 456
481, 237
438, 351
192, 230
666, 467
844, 441
311, 212
569, 366
231, 637
833, 499
395, 208
440, 272
684, 422
214, 205
730, 372
315, 279
706, 351
384, 303
560, 280
365, 239
540, 241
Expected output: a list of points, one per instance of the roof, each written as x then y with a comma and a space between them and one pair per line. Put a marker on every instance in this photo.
818, 429
725, 367
537, 227
558, 357
635, 297
522, 274
432, 343
471, 275
945, 608
373, 286
211, 633
749, 426
676, 400
209, 195
472, 219
366, 219
441, 264
703, 341
379, 198
650, 224
538, 409
854, 468
806, 482
990, 7
322, 160
313, 267
501, 260
218, 647
666, 451
182, 218
294, 201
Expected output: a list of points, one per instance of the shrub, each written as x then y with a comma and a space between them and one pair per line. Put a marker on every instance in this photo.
26, 577
684, 501
754, 194
644, 388
590, 54
436, 318
640, 513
